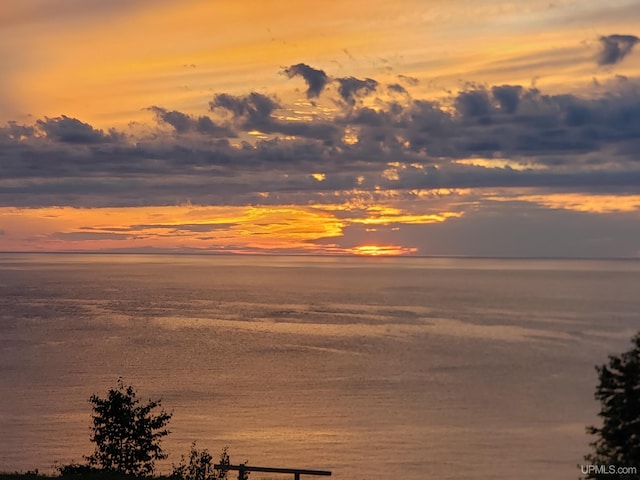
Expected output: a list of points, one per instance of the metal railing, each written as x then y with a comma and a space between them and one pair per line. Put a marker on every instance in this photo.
242, 468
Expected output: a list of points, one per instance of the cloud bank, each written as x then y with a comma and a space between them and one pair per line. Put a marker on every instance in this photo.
252, 149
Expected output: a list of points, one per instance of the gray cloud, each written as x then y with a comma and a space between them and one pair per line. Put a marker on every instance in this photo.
561, 141
350, 88
254, 108
315, 79
516, 122
16, 131
508, 96
72, 130
183, 123
397, 88
255, 112
473, 103
615, 47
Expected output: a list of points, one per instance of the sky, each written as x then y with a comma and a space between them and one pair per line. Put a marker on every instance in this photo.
494, 128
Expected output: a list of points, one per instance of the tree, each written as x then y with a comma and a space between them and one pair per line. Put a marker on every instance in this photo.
618, 440
126, 432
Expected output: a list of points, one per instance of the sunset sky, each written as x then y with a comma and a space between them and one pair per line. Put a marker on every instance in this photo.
418, 127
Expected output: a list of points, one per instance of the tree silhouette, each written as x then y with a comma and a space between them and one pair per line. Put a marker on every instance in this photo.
200, 466
126, 432
618, 440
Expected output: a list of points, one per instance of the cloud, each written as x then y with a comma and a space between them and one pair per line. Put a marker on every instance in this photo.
255, 112
316, 79
508, 96
16, 131
350, 87
473, 103
397, 88
482, 137
615, 48
183, 123
255, 107
72, 130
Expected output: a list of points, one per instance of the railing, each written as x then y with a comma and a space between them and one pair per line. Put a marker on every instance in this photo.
242, 468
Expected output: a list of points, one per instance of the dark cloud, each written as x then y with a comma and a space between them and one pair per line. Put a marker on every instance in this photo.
350, 88
546, 128
315, 79
205, 125
179, 121
72, 130
397, 88
183, 123
252, 111
473, 103
456, 176
562, 141
508, 96
15, 131
255, 112
254, 106
615, 47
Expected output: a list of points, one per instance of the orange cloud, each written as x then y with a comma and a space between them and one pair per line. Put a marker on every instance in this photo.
232, 228
382, 215
197, 227
579, 202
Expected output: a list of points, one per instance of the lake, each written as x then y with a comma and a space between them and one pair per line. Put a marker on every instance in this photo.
373, 368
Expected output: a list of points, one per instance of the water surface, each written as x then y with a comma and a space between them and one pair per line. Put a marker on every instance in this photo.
406, 368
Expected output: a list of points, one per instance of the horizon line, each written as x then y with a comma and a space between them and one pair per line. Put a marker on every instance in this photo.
268, 254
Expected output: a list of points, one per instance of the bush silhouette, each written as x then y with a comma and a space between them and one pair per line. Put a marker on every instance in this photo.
618, 440
200, 466
126, 432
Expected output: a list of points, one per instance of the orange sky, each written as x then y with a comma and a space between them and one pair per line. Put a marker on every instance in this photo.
101, 100
106, 64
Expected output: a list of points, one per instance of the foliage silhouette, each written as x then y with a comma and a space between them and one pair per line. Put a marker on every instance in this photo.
126, 432
200, 466
618, 440
224, 461
78, 470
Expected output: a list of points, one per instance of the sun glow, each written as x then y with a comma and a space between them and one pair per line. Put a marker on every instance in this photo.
382, 250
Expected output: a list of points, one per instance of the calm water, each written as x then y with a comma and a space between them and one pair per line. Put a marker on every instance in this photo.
372, 368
